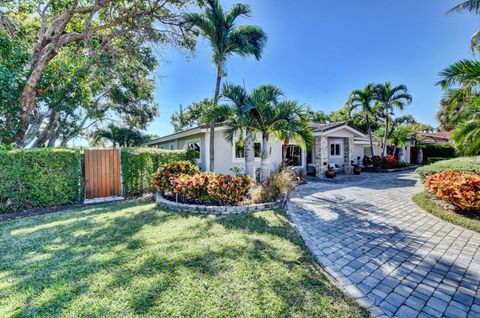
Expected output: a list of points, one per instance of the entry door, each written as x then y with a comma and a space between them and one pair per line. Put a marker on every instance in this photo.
102, 173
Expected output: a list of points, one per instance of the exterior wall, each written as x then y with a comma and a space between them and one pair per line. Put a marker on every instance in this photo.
320, 153
348, 154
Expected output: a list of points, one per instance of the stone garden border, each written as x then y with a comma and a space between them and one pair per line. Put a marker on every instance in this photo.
212, 209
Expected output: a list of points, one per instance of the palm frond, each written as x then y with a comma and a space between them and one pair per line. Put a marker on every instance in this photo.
467, 137
238, 10
464, 72
469, 5
246, 40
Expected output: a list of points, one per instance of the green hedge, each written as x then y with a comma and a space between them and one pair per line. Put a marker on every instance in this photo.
463, 164
431, 160
139, 164
438, 150
39, 178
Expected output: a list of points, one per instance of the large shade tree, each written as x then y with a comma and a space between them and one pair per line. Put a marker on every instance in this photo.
389, 99
226, 38
91, 26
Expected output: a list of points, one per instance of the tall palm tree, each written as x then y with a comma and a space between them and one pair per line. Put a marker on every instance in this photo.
365, 99
263, 103
226, 39
292, 124
239, 121
472, 6
389, 98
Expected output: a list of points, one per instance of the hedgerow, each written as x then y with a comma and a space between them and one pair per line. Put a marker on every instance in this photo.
39, 178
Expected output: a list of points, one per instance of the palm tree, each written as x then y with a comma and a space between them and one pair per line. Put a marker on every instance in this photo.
365, 99
226, 39
239, 121
389, 98
472, 6
263, 102
292, 124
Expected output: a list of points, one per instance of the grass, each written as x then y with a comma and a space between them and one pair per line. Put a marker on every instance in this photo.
469, 221
135, 260
462, 164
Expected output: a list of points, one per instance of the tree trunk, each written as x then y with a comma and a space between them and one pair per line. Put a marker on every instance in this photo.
265, 166
384, 153
54, 138
370, 135
249, 154
284, 153
48, 131
29, 93
212, 123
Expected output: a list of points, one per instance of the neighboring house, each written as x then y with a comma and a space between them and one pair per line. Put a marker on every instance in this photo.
335, 144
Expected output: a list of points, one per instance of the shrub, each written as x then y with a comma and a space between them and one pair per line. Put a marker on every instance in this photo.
276, 187
162, 179
431, 160
389, 162
39, 178
464, 164
437, 150
463, 190
210, 187
138, 165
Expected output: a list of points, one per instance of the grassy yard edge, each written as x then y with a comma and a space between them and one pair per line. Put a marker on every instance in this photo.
424, 202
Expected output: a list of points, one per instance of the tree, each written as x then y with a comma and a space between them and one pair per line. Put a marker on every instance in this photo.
239, 121
472, 6
292, 123
389, 98
119, 136
365, 99
191, 116
93, 26
226, 39
263, 102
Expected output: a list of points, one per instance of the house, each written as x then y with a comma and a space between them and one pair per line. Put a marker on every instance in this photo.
335, 144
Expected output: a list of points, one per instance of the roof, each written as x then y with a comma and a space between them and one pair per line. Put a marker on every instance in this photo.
435, 137
317, 127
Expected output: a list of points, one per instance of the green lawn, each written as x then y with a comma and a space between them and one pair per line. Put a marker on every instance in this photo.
134, 259
470, 221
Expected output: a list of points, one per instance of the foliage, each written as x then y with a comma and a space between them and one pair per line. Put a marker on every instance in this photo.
162, 179
132, 259
431, 160
39, 178
191, 116
227, 189
119, 136
467, 220
461, 189
277, 187
438, 150
139, 164
463, 164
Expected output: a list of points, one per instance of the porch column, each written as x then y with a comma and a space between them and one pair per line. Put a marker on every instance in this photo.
321, 155
348, 154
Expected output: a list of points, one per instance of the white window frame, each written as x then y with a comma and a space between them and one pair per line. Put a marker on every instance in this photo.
302, 156
239, 160
335, 142
194, 141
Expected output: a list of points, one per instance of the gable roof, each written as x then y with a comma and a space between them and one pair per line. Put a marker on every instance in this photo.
317, 127
322, 129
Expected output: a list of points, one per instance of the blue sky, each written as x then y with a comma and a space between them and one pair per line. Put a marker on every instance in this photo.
319, 50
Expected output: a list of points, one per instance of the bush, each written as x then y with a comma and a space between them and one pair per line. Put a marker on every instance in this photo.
210, 187
138, 165
464, 164
438, 151
162, 179
431, 160
39, 178
276, 187
463, 190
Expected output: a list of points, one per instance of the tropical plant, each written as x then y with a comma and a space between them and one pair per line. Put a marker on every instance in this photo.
388, 99
291, 123
472, 6
226, 39
365, 99
119, 136
239, 121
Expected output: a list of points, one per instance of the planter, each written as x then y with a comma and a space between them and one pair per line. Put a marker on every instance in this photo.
357, 170
330, 174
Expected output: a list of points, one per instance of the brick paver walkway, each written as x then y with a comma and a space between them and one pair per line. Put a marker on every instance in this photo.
385, 251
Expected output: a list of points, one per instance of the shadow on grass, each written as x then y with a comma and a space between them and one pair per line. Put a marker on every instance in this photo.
134, 259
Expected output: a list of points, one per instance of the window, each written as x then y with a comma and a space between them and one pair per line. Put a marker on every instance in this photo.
294, 156
367, 151
240, 149
336, 148
195, 147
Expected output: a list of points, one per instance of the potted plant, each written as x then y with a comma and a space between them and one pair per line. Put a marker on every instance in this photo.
357, 168
330, 173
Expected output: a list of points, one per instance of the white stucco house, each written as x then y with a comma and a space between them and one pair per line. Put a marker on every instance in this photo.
334, 144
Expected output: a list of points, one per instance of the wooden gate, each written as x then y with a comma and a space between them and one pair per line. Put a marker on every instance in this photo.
102, 173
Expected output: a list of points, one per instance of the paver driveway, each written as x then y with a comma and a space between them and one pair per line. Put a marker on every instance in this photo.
385, 251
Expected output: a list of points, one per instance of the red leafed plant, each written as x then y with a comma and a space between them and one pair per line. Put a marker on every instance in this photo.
162, 178
229, 189
461, 189
390, 161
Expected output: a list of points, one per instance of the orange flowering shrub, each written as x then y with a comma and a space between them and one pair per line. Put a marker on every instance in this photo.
461, 189
211, 187
162, 178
